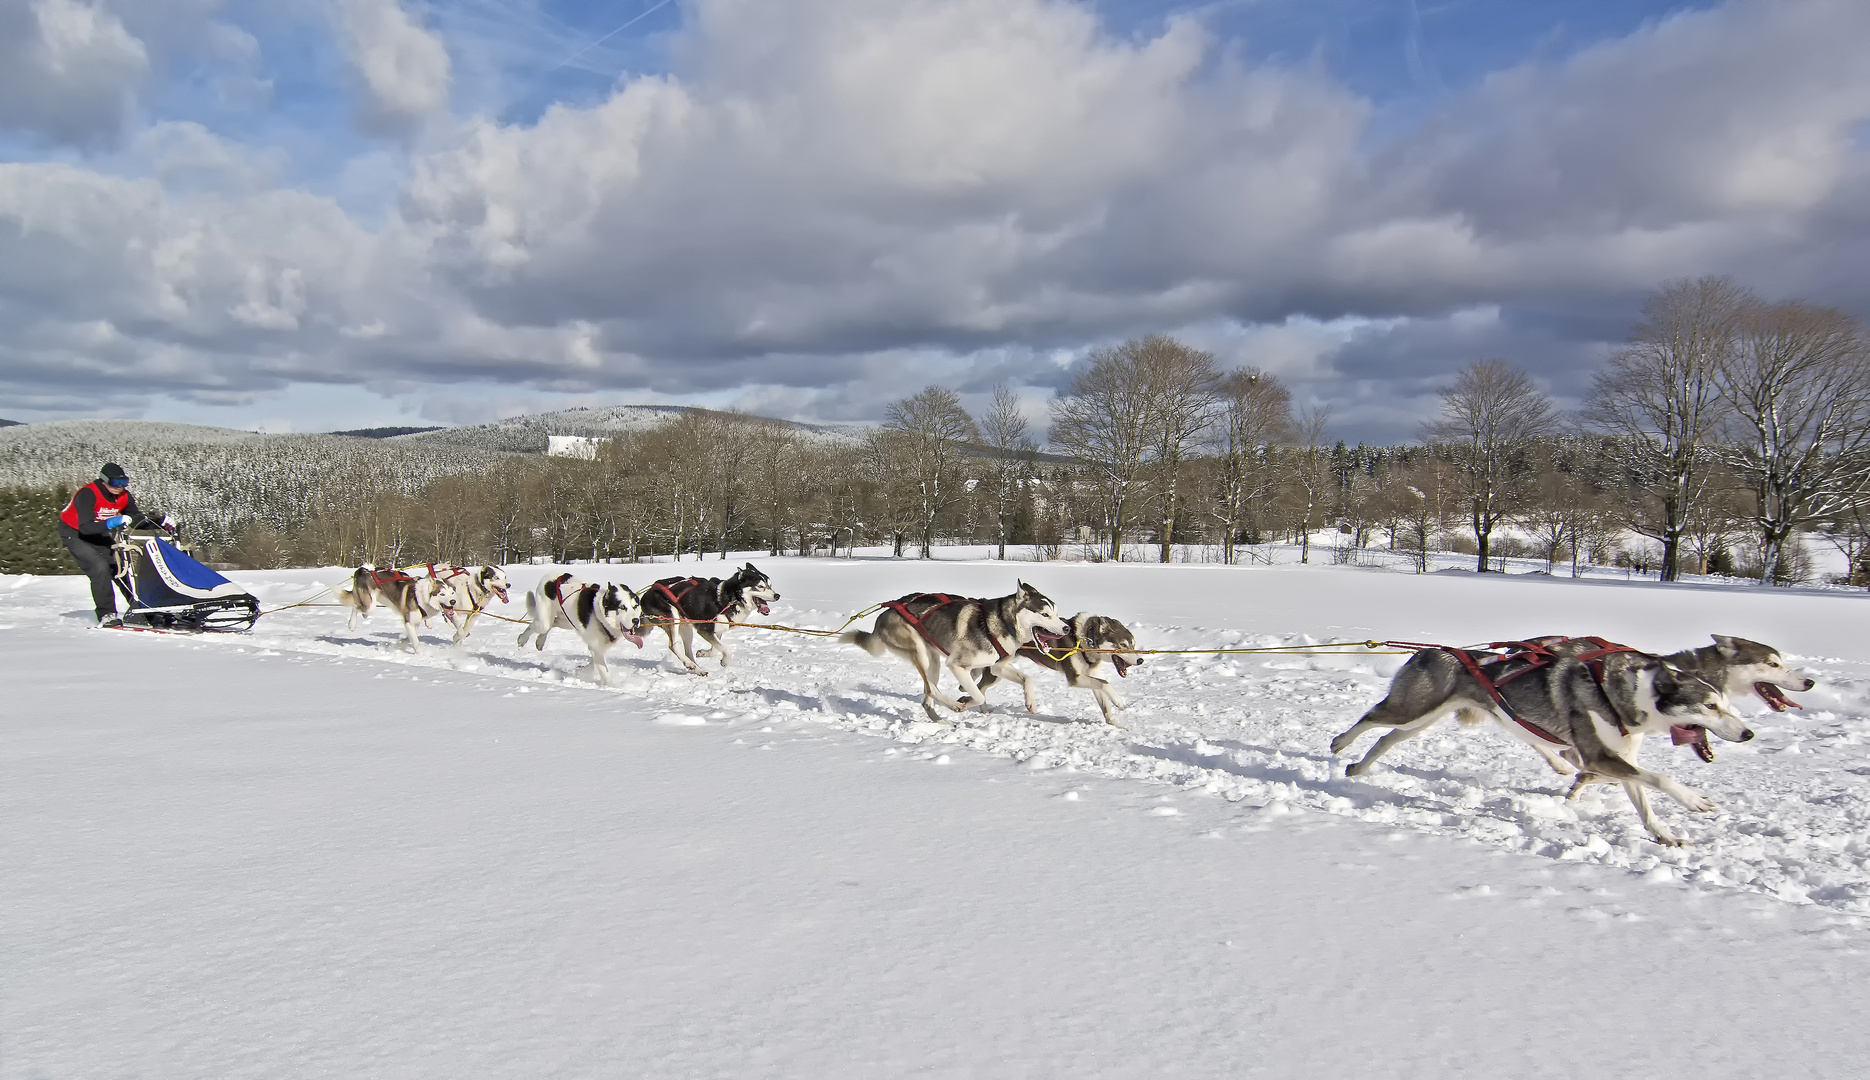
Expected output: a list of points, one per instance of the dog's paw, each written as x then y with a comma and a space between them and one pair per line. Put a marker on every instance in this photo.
1341, 743
1357, 768
704, 652
1694, 801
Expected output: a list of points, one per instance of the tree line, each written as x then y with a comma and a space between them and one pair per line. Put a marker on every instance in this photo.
1726, 428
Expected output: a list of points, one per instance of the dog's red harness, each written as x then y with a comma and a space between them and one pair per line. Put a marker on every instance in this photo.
1535, 654
391, 576
555, 589
942, 600
675, 598
448, 573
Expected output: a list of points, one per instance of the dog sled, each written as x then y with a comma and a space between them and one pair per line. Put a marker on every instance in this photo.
168, 590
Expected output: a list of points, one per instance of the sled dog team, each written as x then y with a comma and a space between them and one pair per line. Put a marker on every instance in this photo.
1584, 704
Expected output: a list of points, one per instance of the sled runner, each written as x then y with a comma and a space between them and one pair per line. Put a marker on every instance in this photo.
168, 589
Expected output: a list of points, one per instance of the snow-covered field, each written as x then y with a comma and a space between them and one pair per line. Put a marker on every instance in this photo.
306, 853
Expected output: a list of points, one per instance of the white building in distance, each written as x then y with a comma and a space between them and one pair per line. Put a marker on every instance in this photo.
578, 446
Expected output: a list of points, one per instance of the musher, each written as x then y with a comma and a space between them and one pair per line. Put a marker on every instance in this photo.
85, 525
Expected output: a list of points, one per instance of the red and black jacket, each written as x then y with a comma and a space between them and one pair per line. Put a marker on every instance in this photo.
92, 505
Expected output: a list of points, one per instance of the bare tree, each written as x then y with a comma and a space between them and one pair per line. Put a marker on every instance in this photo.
1715, 526
1004, 431
1562, 498
1416, 496
775, 472
1256, 419
1798, 381
1660, 396
1308, 470
1181, 385
1594, 537
1849, 533
1490, 418
932, 425
1103, 419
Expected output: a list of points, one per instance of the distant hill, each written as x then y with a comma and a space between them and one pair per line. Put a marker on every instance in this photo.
383, 432
528, 434
11, 423
215, 478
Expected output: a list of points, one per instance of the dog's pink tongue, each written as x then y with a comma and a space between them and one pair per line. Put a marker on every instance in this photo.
1695, 737
634, 639
1771, 695
761, 604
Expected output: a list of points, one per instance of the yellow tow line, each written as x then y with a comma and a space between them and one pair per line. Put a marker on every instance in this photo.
1330, 648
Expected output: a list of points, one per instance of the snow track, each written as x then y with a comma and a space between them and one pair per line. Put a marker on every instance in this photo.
1794, 818
303, 852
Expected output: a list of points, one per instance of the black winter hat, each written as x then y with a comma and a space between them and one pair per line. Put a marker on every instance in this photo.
111, 471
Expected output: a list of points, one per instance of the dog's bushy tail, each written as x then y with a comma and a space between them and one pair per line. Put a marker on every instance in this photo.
864, 640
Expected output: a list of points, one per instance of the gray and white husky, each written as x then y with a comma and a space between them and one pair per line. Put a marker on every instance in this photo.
1090, 643
1739, 666
930, 629
463, 592
414, 599
1581, 722
601, 616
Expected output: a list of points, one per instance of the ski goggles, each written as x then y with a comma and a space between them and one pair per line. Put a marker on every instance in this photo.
117, 481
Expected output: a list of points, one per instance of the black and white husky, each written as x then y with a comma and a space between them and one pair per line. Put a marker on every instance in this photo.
415, 600
1586, 719
1090, 642
463, 591
930, 629
601, 615
704, 606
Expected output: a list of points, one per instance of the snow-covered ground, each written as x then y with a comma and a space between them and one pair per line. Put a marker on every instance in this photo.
305, 853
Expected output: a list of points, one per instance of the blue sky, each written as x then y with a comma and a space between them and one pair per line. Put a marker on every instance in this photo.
315, 215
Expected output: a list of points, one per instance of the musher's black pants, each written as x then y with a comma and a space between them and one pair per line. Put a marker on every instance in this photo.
96, 562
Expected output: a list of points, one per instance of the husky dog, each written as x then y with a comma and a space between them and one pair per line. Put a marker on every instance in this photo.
1090, 641
1738, 666
602, 615
702, 606
465, 590
970, 634
413, 599
1578, 720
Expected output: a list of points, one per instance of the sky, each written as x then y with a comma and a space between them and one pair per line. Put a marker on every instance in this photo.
321, 214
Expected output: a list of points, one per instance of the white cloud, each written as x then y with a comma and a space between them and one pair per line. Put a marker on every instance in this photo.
402, 69
825, 194
67, 69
